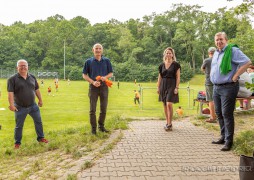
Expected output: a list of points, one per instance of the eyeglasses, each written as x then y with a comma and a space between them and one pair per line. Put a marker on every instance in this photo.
22, 65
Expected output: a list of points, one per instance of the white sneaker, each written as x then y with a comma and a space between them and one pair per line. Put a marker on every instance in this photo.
252, 103
239, 108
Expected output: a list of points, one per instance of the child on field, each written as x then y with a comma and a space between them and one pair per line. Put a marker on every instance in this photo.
136, 97
56, 85
179, 111
49, 90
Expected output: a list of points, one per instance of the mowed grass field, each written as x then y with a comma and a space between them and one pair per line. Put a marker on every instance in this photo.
69, 107
66, 124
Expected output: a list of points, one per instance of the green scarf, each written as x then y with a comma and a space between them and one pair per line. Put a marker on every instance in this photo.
225, 66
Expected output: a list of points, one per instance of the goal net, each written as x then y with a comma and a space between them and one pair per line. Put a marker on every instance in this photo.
44, 75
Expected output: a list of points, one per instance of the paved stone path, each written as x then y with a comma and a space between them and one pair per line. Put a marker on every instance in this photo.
146, 151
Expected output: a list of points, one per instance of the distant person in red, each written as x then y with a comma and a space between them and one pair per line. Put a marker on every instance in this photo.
22, 90
49, 90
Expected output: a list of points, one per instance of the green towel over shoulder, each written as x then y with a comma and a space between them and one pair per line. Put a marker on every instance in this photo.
225, 66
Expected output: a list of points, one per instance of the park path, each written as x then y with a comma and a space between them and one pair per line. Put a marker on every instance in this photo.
147, 152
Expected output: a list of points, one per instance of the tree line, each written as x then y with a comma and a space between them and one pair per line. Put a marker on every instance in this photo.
134, 47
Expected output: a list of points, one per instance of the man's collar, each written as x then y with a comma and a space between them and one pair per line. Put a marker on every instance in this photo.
97, 59
223, 49
19, 75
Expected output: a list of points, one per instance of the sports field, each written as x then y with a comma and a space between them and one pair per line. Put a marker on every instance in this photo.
69, 107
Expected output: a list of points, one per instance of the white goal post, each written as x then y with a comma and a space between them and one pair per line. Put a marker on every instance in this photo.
113, 78
47, 74
149, 97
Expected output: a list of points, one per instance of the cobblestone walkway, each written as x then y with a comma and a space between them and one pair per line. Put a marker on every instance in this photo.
146, 151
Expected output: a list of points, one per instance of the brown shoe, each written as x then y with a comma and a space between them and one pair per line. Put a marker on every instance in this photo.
16, 146
211, 120
43, 140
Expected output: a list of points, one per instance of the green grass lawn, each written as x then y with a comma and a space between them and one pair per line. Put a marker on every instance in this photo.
65, 116
69, 107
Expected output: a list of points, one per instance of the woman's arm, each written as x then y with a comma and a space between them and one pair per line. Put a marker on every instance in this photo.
158, 83
177, 81
177, 78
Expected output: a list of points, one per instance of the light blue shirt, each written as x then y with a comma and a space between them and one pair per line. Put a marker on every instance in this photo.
238, 60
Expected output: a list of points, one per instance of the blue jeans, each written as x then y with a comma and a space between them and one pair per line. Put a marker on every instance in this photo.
94, 94
224, 100
20, 117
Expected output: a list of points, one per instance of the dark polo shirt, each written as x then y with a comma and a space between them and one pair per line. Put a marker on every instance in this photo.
94, 68
23, 89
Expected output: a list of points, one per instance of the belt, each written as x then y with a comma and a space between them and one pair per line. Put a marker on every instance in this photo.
225, 84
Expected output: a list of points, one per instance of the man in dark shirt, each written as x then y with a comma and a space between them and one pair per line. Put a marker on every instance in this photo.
206, 68
22, 89
98, 66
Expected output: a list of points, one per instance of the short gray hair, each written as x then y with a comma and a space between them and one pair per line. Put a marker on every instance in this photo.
221, 34
97, 44
211, 49
21, 60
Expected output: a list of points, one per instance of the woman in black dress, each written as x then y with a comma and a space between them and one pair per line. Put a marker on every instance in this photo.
168, 84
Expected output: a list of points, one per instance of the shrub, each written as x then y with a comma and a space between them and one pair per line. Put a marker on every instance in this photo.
75, 73
186, 72
244, 142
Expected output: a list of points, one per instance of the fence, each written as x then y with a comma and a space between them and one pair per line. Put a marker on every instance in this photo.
149, 97
6, 73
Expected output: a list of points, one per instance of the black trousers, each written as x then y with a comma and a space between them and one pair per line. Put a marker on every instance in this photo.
136, 100
95, 93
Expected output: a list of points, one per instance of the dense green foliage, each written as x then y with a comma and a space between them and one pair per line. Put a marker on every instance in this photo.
135, 47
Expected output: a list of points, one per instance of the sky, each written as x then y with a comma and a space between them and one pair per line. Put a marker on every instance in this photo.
96, 11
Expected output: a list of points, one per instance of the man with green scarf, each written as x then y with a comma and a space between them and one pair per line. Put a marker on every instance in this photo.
228, 63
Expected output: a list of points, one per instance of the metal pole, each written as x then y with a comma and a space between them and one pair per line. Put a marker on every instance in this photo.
64, 59
188, 89
141, 90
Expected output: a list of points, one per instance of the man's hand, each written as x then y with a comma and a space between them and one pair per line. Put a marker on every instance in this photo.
103, 78
13, 108
40, 103
235, 78
96, 83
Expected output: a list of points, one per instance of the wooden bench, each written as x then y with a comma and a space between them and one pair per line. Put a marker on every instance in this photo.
248, 101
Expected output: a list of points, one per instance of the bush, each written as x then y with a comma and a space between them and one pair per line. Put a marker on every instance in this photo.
75, 73
186, 72
129, 71
244, 142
